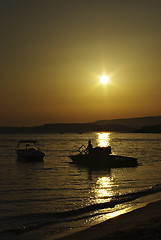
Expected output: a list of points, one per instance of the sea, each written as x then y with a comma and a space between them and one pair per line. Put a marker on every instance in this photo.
57, 197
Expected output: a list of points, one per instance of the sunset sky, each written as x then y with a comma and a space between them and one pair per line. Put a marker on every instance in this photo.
53, 53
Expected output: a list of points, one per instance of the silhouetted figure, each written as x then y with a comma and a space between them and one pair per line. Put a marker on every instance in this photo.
89, 147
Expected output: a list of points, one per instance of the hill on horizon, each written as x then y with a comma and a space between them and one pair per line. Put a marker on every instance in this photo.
115, 125
133, 123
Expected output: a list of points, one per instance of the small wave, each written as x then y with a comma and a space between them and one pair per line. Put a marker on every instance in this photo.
33, 221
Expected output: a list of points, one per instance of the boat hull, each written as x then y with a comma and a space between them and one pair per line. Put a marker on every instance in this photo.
28, 150
30, 156
108, 161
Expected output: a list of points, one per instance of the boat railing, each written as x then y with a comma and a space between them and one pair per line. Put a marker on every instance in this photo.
83, 150
96, 150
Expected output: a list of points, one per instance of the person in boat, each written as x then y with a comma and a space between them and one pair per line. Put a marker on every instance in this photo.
89, 147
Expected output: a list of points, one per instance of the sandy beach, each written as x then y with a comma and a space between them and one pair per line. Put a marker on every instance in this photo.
143, 223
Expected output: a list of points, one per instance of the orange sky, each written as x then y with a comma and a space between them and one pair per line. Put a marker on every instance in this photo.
54, 52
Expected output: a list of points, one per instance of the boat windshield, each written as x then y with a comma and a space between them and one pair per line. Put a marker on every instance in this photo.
27, 145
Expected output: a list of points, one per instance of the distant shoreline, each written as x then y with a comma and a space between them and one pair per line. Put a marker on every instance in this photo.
144, 124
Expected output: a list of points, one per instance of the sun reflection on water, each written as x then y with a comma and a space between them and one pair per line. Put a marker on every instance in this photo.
104, 193
103, 190
103, 139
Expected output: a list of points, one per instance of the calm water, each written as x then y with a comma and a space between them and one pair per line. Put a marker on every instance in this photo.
57, 192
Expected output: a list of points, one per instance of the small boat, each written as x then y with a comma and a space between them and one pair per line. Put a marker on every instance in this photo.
28, 150
101, 157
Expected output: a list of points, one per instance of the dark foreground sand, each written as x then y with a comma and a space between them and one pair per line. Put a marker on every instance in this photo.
143, 223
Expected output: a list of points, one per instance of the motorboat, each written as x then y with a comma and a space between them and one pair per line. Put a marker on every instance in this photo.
28, 150
101, 157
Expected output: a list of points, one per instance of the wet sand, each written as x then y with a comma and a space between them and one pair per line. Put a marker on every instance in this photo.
143, 223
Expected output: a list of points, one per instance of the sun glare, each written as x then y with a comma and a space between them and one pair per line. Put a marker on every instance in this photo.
104, 79
103, 139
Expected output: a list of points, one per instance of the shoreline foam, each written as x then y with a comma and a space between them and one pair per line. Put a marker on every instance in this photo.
142, 223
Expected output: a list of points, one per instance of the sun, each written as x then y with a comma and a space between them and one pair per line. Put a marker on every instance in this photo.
104, 79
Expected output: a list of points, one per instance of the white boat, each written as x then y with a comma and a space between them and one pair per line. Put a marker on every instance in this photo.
101, 157
28, 150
